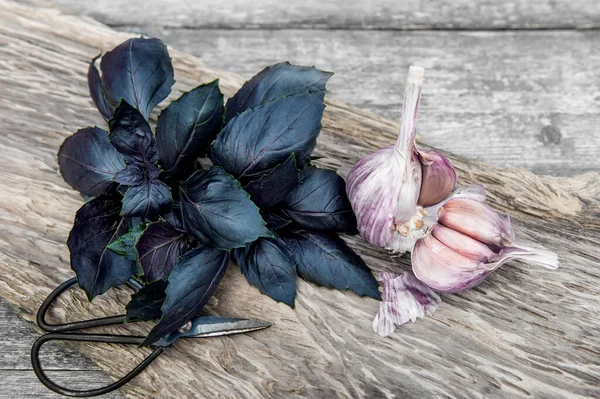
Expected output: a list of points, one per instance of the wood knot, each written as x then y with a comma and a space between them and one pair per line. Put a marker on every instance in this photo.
550, 135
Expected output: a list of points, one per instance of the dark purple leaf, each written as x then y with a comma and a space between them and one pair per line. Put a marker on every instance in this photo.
174, 217
320, 202
217, 210
97, 224
191, 284
159, 249
147, 200
268, 266
146, 303
188, 126
97, 92
88, 162
138, 71
131, 135
273, 187
134, 174
273, 219
259, 139
276, 81
328, 261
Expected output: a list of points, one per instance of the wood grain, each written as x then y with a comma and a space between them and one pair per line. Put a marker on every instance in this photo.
517, 99
525, 332
342, 14
24, 385
17, 380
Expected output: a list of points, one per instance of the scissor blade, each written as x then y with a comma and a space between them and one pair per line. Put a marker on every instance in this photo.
214, 326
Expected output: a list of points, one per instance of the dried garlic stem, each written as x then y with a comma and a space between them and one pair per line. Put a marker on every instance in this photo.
408, 123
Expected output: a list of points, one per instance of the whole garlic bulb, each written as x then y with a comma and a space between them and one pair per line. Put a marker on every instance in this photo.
388, 187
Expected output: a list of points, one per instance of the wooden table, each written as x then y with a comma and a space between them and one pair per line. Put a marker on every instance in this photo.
514, 84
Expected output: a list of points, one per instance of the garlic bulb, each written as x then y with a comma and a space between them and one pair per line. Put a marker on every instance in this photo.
388, 187
469, 241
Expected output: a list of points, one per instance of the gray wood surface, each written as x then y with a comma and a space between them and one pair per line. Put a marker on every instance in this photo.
511, 99
65, 366
344, 14
521, 371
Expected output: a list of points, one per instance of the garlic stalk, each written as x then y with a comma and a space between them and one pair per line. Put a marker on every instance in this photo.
388, 187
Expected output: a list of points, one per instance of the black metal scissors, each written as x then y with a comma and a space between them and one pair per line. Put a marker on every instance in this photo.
199, 327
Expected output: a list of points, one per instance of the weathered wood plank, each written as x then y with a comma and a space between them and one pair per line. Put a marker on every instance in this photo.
17, 338
16, 377
525, 332
24, 385
517, 99
341, 14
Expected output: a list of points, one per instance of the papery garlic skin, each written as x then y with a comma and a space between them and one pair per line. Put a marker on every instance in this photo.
384, 187
438, 178
383, 193
403, 298
469, 241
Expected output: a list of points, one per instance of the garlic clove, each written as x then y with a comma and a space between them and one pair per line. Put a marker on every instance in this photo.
438, 178
443, 269
476, 220
463, 244
404, 298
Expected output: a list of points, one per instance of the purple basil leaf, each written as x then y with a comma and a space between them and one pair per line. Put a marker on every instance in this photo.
273, 187
97, 224
138, 71
97, 92
238, 255
320, 202
159, 249
147, 200
174, 217
188, 126
133, 175
131, 135
273, 219
88, 162
328, 261
217, 210
191, 284
268, 266
259, 139
146, 303
276, 81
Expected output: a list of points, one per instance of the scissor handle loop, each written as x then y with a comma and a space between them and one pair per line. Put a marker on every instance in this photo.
78, 325
113, 339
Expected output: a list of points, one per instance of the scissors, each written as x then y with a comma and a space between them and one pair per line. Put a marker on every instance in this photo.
199, 327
